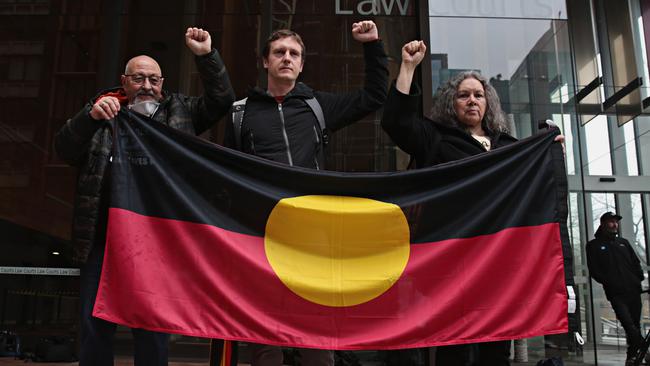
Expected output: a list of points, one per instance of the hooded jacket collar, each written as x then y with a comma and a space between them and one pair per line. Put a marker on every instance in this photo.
300, 90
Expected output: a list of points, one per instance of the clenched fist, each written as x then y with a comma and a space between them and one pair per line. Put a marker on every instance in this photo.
198, 41
413, 53
365, 31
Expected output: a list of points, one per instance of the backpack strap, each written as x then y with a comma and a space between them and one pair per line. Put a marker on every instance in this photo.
318, 112
238, 109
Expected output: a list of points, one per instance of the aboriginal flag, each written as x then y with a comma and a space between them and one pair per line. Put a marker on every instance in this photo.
208, 242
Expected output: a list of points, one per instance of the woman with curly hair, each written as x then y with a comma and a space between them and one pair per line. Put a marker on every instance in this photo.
466, 120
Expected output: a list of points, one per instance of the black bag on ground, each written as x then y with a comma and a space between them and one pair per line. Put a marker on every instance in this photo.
51, 349
553, 361
9, 344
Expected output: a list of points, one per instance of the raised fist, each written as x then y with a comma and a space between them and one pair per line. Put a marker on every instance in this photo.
413, 53
365, 31
198, 41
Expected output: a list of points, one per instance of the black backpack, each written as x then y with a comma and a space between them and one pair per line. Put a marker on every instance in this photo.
553, 361
239, 107
9, 344
55, 349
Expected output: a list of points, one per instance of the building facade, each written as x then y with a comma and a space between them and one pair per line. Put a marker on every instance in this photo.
580, 63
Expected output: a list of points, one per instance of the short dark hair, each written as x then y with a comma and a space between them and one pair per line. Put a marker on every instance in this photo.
279, 34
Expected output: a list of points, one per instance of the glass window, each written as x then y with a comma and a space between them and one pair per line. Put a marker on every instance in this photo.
600, 203
637, 226
553, 9
77, 54
598, 159
617, 44
526, 60
574, 227
609, 333
478, 44
569, 144
642, 134
637, 8
630, 149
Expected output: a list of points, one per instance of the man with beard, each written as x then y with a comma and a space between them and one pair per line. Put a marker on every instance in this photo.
85, 141
613, 263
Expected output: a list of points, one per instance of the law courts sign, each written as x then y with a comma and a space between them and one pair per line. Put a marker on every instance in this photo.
531, 9
373, 7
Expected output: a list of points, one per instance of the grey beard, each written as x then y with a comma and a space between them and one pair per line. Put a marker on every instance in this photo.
146, 108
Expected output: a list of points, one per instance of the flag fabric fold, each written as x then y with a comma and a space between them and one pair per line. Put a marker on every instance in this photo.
209, 242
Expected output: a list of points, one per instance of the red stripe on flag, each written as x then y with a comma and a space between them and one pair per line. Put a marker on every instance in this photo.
199, 280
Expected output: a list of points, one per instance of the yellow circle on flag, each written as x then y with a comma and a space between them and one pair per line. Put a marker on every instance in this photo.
337, 251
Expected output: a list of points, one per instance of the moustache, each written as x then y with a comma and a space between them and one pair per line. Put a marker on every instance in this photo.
145, 93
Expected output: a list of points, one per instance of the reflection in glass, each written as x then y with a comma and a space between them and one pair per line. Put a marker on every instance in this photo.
574, 228
564, 123
622, 60
630, 149
54, 60
526, 60
587, 60
638, 228
547, 9
484, 50
601, 203
642, 132
608, 331
598, 159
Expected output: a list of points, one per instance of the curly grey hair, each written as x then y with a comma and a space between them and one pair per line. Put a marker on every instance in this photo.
443, 108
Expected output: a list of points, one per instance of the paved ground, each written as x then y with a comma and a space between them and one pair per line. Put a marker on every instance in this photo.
198, 356
605, 360
6, 361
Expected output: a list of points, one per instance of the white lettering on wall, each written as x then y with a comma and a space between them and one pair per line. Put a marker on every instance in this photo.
401, 5
542, 9
374, 7
40, 271
341, 11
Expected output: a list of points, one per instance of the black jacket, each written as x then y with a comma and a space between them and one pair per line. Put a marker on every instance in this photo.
613, 263
86, 144
430, 142
290, 133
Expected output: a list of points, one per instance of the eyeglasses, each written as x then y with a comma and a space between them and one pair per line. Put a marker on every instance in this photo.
139, 79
